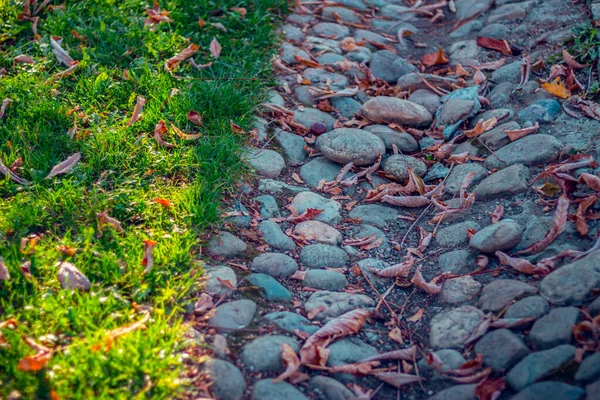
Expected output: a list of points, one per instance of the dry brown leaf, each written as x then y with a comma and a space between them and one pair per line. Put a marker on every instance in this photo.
591, 181
203, 304
490, 389
4, 274
105, 219
195, 118
61, 55
402, 354
549, 189
137, 111
240, 10
417, 316
497, 214
314, 312
557, 88
481, 127
5, 104
148, 260
406, 201
580, 221
519, 133
65, 166
66, 250
396, 335
28, 243
159, 130
24, 59
429, 287
183, 135
521, 265
292, 363
70, 277
560, 220
397, 379
398, 270
344, 325
571, 62
307, 215
363, 368
184, 55
215, 48
495, 44
155, 16
37, 361
437, 58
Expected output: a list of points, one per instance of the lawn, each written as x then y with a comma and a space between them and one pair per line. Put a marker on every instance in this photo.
158, 193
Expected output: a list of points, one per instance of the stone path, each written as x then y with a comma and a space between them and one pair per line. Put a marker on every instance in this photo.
360, 129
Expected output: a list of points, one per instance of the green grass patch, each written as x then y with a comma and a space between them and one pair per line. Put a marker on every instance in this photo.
121, 171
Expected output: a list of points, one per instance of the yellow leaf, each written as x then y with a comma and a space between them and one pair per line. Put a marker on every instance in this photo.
557, 88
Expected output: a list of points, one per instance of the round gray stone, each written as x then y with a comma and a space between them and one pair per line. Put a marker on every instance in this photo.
318, 256
501, 292
397, 165
275, 264
547, 149
405, 142
501, 349
263, 354
459, 290
225, 245
391, 109
274, 236
234, 315
508, 181
289, 322
267, 390
427, 99
529, 307
293, 147
458, 174
215, 275
390, 67
458, 392
269, 288
269, 207
551, 391
537, 366
319, 169
573, 283
266, 162
329, 388
331, 30
554, 328
502, 235
457, 261
319, 232
589, 370
227, 381
450, 329
331, 208
308, 116
336, 303
456, 235
346, 145
374, 214
324, 280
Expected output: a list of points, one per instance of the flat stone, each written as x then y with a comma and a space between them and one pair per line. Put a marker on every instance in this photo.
292, 33
293, 147
542, 111
374, 214
458, 392
322, 45
529, 307
547, 148
269, 207
394, 11
494, 31
405, 142
240, 221
427, 99
501, 93
437, 171
227, 382
501, 292
336, 303
508, 73
319, 232
347, 351
390, 67
465, 147
466, 9
331, 208
509, 12
589, 370
269, 288
274, 264
391, 109
456, 235
366, 36
299, 19
360, 55
412, 82
464, 50
508, 181
537, 366
217, 274
460, 172
502, 235
324, 280
593, 390
331, 30
322, 78
451, 329
457, 261
346, 106
537, 228
594, 307
318, 256
357, 4
331, 59
329, 388
573, 284
266, 162
304, 96
234, 315
501, 114
344, 14
459, 290
290, 322
318, 169
263, 354
496, 138
267, 390
274, 186
274, 236
466, 29
346, 145
308, 116
225, 245
550, 390
397, 165
501, 349
554, 328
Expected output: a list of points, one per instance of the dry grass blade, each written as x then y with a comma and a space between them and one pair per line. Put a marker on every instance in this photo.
65, 166
292, 363
67, 71
137, 111
560, 220
61, 55
397, 379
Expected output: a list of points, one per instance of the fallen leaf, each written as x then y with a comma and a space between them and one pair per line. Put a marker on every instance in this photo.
430, 287
4, 273
402, 354
156, 16
28, 243
519, 133
37, 361
494, 44
521, 265
64, 249
417, 316
560, 220
396, 335
363, 368
195, 118
159, 130
215, 48
497, 214
481, 127
65, 166
398, 270
490, 389
397, 379
5, 104
557, 88
163, 202
591, 181
203, 304
240, 10
307, 215
137, 111
184, 55
314, 312
24, 59
70, 277
292, 363
61, 55
105, 219
148, 260
436, 58
406, 201
549, 189
235, 128
307, 62
571, 62
185, 136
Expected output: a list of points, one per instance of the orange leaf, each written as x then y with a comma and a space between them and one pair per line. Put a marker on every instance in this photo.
163, 202
495, 44
35, 362
184, 55
557, 88
292, 363
436, 58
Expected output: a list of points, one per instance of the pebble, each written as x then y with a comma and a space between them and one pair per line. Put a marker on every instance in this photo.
347, 106
363, 35
412, 82
508, 73
374, 214
325, 280
266, 162
551, 390
459, 173
331, 208
215, 275
346, 145
450, 329
405, 142
234, 315
319, 232
542, 111
321, 78
436, 171
299, 19
572, 284
318, 169
308, 116
502, 236
554, 328
323, 45
457, 261
501, 292
290, 322
391, 109
458, 392
427, 99
397, 165
501, 349
539, 365
360, 55
293, 147
304, 96
456, 235
465, 147
509, 12
593, 390
589, 370
547, 149
344, 14
336, 303
331, 59
319, 256
594, 308
274, 236
331, 30
496, 138
267, 390
464, 50
269, 288
466, 29
329, 388
390, 67
263, 354
274, 264
529, 307
269, 207
508, 181
225, 245
227, 382
459, 290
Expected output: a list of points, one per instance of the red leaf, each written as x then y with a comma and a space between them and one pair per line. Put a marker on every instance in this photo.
519, 133
163, 202
521, 265
495, 44
215, 48
490, 389
560, 220
592, 181
195, 118
137, 111
159, 130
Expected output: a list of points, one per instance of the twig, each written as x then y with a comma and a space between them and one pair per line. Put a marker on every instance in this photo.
413, 225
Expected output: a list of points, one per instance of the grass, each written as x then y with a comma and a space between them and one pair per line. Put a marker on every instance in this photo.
122, 170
